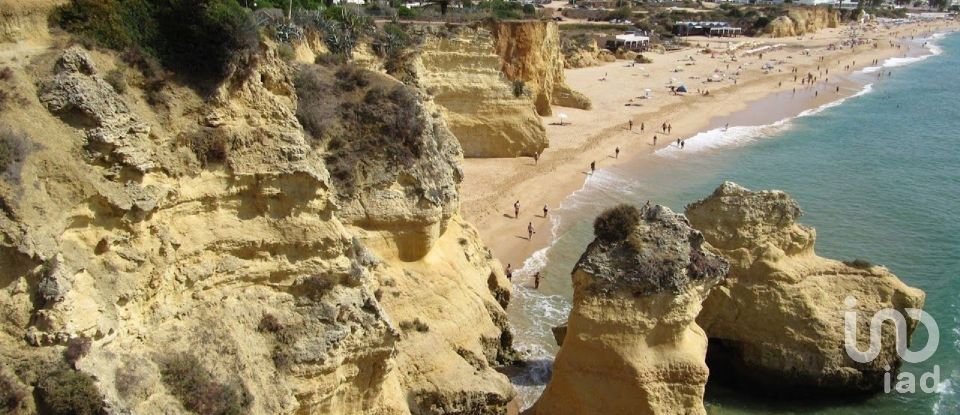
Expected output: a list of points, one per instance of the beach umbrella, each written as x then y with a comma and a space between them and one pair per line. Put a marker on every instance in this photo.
682, 88
562, 117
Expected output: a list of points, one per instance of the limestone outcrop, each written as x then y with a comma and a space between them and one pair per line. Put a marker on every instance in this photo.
492, 81
481, 106
530, 52
25, 19
580, 52
803, 20
214, 229
777, 321
631, 345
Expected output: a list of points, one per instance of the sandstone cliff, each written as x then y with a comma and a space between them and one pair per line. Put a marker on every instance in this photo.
530, 52
491, 82
483, 110
777, 321
24, 19
211, 234
803, 20
631, 345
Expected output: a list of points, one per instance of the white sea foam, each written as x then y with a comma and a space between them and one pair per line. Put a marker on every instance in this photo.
934, 49
741, 135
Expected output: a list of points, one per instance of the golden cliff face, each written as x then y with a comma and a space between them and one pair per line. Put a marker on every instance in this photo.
632, 345
25, 19
777, 321
799, 21
480, 105
530, 51
491, 83
303, 297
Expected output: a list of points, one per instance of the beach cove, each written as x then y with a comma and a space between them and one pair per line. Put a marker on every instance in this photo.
668, 175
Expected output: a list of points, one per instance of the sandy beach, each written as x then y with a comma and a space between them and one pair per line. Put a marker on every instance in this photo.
491, 186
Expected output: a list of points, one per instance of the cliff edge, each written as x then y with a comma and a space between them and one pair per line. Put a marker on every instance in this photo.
173, 253
777, 321
632, 345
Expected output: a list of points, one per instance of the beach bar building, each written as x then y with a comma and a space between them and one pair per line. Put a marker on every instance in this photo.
705, 29
629, 41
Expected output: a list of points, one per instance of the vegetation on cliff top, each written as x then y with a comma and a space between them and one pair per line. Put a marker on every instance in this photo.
616, 223
68, 392
199, 39
362, 118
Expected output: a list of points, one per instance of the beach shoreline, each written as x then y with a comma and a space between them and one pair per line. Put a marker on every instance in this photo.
491, 186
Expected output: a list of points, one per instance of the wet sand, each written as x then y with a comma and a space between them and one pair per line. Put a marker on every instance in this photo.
491, 186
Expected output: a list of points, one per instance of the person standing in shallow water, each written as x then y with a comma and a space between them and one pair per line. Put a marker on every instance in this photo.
530, 231
509, 272
593, 167
682, 143
536, 280
516, 209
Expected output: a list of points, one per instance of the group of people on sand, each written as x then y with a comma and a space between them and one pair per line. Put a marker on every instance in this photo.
530, 230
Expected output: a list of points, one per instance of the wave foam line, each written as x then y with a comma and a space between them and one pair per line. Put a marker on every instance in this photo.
741, 135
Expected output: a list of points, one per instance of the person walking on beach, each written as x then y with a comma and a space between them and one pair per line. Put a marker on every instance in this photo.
545, 210
630, 125
593, 167
654, 140
536, 158
616, 153
641, 127
669, 128
509, 272
530, 231
536, 280
664, 128
516, 209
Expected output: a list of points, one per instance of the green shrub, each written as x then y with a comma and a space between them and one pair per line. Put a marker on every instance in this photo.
209, 145
68, 392
77, 348
201, 39
365, 120
286, 52
859, 264
529, 9
6, 74
518, 88
198, 390
14, 147
415, 324
12, 393
405, 12
117, 80
269, 324
616, 224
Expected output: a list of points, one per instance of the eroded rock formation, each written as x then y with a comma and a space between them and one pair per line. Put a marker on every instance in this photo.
489, 117
803, 20
492, 81
213, 229
530, 52
777, 321
631, 345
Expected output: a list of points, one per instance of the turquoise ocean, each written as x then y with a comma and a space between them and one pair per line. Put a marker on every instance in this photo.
877, 174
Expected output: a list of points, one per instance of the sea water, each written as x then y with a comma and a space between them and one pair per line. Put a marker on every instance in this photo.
877, 174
